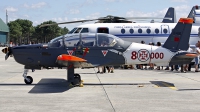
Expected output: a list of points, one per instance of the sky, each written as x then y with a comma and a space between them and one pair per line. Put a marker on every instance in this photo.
39, 11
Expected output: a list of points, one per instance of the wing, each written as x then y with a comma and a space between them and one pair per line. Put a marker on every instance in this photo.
69, 60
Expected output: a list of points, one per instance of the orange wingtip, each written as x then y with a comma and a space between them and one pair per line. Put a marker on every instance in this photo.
191, 55
66, 57
186, 20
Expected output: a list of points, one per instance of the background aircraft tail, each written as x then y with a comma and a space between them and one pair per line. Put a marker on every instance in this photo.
170, 14
180, 35
195, 14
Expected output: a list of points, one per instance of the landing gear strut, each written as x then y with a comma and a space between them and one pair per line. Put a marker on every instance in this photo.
27, 79
74, 79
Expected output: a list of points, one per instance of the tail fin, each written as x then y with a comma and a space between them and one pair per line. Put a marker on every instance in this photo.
170, 14
195, 14
180, 35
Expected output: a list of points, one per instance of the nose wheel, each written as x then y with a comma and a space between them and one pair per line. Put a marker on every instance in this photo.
27, 79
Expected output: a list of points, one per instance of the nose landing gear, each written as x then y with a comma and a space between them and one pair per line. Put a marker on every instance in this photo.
27, 79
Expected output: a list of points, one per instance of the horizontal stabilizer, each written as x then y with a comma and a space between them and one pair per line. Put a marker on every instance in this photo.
188, 55
182, 58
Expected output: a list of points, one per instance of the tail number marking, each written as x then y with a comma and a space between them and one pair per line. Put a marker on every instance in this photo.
143, 55
157, 55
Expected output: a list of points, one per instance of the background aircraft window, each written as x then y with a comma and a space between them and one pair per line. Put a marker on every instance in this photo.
84, 30
165, 30
140, 30
72, 31
156, 30
78, 30
131, 31
148, 31
102, 30
122, 31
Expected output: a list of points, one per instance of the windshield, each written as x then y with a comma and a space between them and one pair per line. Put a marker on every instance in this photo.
72, 31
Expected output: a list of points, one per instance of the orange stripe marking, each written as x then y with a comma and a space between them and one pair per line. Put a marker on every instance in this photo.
65, 57
186, 20
191, 55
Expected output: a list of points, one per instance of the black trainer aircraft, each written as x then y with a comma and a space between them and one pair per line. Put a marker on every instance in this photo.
93, 50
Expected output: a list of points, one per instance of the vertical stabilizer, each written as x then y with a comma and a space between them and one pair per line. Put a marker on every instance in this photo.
170, 14
180, 35
195, 14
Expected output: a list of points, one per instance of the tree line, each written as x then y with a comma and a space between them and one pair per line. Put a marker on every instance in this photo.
22, 31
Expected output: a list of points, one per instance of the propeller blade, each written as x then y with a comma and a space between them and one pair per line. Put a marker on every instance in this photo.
7, 55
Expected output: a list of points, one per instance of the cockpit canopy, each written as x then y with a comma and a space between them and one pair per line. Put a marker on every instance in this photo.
89, 39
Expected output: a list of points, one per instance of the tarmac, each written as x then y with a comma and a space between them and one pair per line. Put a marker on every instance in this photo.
122, 91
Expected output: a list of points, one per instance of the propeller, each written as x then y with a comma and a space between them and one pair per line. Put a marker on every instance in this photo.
107, 19
7, 51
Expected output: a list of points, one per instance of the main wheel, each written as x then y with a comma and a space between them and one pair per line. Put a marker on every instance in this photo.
29, 81
77, 80
77, 76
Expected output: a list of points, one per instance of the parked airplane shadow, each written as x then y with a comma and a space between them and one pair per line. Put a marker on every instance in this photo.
50, 86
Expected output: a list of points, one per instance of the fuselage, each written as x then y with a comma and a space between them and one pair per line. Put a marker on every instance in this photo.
136, 32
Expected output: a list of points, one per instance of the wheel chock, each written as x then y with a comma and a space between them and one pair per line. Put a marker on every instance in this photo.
81, 85
140, 85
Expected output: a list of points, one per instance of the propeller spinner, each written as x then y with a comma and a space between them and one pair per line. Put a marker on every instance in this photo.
7, 51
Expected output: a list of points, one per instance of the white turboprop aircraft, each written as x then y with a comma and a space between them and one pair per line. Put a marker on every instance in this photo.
137, 32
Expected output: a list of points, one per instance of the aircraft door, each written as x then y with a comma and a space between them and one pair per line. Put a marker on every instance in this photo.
103, 30
165, 29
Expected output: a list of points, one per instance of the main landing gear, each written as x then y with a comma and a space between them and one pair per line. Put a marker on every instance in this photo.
27, 79
74, 79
